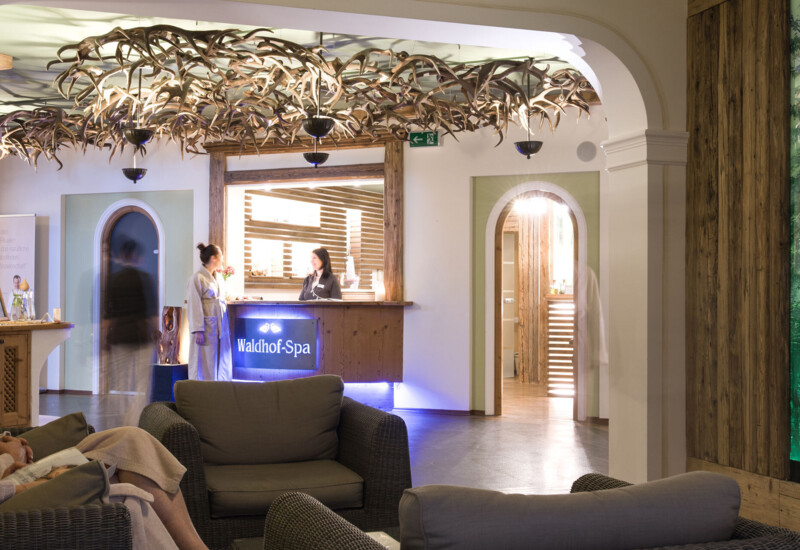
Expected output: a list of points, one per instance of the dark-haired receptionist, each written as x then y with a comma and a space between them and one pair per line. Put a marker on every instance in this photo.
322, 284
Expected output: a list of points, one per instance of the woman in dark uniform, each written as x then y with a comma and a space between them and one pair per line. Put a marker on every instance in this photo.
321, 283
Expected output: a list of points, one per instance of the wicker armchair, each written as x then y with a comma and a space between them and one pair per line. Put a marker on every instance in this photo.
372, 443
748, 535
90, 527
297, 521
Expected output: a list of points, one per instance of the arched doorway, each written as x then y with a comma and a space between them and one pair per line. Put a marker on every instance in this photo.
129, 235
124, 221
535, 320
493, 345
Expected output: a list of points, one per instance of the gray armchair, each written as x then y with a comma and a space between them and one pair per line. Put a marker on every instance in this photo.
298, 522
747, 535
368, 445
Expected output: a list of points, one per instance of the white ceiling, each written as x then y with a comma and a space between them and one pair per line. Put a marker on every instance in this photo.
32, 35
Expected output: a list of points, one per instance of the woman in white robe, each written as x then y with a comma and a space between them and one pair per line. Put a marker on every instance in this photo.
210, 344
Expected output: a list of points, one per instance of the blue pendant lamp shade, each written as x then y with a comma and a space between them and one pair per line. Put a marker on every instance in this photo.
528, 148
134, 174
138, 136
318, 126
315, 158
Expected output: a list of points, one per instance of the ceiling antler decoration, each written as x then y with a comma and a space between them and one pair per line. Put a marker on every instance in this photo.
252, 88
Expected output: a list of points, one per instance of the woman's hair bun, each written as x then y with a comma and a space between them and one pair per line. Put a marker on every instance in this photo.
201, 247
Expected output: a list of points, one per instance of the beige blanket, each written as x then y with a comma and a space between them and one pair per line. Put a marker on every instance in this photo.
135, 450
148, 531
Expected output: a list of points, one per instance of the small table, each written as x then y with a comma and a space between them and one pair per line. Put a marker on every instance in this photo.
24, 347
388, 542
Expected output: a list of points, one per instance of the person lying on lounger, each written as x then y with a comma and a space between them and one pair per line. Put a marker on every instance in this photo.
135, 457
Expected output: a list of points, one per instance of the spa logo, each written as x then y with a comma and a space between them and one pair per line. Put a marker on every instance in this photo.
262, 346
286, 344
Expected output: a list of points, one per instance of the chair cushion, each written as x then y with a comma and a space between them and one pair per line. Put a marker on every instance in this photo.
60, 434
248, 490
690, 508
263, 423
84, 484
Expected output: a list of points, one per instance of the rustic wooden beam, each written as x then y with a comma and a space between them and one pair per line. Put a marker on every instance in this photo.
346, 172
697, 6
6, 61
217, 200
737, 244
393, 221
299, 146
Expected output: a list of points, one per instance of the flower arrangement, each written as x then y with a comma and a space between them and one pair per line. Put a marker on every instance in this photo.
227, 272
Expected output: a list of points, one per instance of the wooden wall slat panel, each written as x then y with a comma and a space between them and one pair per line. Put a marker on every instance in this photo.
217, 199
696, 6
778, 214
730, 379
701, 238
393, 220
737, 231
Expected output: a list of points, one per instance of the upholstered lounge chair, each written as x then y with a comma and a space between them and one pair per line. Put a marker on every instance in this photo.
244, 444
435, 517
86, 527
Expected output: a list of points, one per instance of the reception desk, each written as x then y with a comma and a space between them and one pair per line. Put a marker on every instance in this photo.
359, 341
24, 347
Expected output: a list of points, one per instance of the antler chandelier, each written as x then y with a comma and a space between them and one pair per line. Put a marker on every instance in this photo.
202, 87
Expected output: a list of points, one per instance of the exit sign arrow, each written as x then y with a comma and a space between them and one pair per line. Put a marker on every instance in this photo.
424, 139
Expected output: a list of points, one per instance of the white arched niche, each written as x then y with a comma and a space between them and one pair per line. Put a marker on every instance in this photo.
580, 288
97, 248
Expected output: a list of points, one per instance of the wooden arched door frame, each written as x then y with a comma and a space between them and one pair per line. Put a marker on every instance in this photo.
493, 339
102, 265
498, 295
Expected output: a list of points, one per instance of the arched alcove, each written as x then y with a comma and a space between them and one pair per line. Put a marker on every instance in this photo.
102, 259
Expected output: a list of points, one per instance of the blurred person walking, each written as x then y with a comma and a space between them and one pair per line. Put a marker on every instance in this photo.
131, 317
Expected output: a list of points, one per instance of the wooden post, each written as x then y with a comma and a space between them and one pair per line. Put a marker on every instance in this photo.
393, 221
217, 200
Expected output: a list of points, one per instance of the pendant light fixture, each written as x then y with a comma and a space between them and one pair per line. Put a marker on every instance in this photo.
528, 147
137, 136
316, 158
317, 126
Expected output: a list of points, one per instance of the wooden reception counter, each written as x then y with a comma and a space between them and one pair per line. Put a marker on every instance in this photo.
359, 341
24, 347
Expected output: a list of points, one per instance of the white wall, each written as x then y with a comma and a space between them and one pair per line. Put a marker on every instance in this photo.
24, 190
438, 249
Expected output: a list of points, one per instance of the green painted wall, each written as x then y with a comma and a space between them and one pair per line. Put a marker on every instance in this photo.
486, 192
81, 216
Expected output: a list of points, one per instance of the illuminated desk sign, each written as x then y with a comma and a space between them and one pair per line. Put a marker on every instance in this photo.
275, 344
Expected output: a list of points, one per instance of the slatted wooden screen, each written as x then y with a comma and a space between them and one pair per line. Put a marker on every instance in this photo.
533, 279
560, 345
15, 357
737, 236
366, 244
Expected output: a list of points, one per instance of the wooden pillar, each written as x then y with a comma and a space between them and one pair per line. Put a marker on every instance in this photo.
393, 221
217, 200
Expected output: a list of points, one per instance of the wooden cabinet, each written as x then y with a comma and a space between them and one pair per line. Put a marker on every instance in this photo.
15, 361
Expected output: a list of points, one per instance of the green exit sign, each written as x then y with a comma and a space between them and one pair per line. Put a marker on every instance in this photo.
424, 139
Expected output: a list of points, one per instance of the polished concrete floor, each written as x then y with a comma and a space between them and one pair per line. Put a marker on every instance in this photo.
534, 447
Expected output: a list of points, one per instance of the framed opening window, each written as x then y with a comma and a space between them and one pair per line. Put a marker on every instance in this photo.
282, 224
